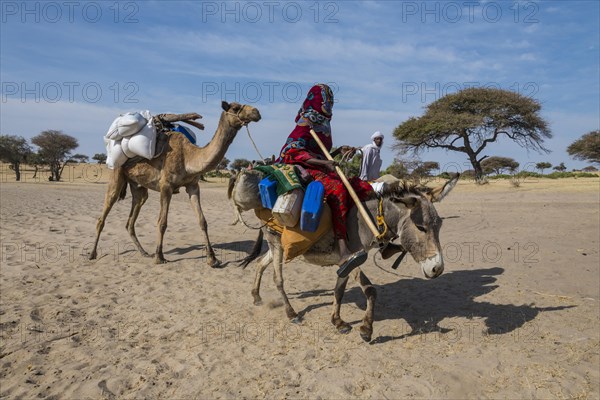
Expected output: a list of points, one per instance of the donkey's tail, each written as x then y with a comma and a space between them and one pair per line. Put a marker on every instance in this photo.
255, 251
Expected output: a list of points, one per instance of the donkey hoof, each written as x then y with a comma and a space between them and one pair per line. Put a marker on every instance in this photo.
257, 300
215, 263
296, 320
160, 260
92, 256
366, 334
145, 254
344, 328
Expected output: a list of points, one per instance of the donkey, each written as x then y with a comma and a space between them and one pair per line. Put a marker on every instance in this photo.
412, 222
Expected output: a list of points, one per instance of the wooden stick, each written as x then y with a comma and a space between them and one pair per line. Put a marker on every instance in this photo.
353, 194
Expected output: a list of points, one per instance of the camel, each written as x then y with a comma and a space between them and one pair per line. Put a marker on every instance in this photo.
410, 217
179, 165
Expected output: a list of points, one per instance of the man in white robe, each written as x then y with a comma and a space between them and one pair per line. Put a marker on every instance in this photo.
371, 161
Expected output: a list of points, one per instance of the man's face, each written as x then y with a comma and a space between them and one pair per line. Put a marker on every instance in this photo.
378, 141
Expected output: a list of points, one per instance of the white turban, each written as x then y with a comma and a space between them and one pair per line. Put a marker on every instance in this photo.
376, 135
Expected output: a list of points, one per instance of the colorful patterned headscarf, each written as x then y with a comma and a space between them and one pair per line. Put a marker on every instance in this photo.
315, 113
317, 109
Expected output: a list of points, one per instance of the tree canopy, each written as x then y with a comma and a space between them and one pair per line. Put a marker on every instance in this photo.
469, 120
560, 167
55, 148
586, 148
14, 150
543, 165
100, 157
239, 163
499, 164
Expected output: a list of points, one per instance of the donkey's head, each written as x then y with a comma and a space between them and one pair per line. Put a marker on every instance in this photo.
418, 227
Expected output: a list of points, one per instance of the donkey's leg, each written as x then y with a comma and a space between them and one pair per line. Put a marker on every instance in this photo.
115, 186
262, 264
338, 294
278, 278
193, 191
165, 200
366, 329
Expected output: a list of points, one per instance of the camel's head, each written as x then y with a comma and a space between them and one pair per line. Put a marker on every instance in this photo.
240, 114
419, 228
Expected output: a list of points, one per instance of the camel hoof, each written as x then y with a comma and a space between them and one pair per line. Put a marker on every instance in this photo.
344, 329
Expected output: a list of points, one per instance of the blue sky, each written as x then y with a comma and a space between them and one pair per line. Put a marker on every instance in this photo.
75, 66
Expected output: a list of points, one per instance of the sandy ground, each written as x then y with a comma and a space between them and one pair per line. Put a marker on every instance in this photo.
515, 314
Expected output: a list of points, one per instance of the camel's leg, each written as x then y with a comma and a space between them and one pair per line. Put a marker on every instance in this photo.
115, 186
366, 329
165, 200
194, 193
262, 264
139, 196
338, 294
278, 278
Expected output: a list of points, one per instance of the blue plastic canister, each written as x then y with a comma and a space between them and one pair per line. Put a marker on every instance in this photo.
268, 192
312, 207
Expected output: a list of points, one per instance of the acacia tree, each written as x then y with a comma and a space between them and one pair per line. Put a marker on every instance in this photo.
423, 169
14, 150
541, 166
469, 120
499, 164
560, 167
586, 148
54, 148
100, 157
36, 161
239, 163
223, 164
80, 158
397, 169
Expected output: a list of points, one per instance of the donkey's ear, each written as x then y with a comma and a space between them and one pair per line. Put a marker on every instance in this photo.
225, 105
438, 193
408, 201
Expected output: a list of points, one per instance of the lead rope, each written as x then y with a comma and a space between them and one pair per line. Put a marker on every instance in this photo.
247, 130
254, 144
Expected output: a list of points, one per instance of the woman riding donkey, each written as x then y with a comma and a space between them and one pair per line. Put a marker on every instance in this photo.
301, 149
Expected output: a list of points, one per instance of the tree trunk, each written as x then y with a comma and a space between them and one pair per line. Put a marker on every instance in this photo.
54, 172
476, 167
17, 168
